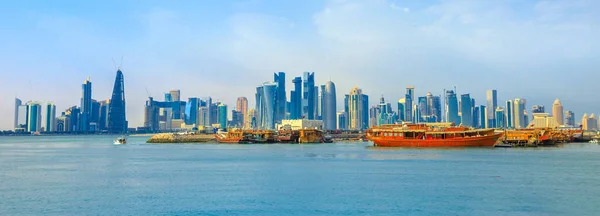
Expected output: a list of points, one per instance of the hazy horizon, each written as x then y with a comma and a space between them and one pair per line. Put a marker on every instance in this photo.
537, 50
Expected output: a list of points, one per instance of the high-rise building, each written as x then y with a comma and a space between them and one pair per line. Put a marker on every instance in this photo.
168, 97
17, 104
466, 110
452, 108
73, 116
203, 116
50, 117
519, 113
329, 106
60, 123
401, 109
191, 111
483, 119
117, 121
356, 107
409, 100
321, 102
279, 79
86, 105
475, 116
266, 96
557, 112
251, 117
538, 109
365, 116
95, 116
434, 108
34, 117
500, 123
570, 118
103, 120
241, 105
589, 122
223, 116
22, 118
509, 114
308, 99
492, 103
175, 95
374, 112
342, 120
296, 99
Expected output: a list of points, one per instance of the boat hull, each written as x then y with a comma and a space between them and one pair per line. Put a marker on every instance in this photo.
482, 141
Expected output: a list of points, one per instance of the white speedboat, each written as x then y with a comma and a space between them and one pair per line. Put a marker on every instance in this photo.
120, 141
594, 141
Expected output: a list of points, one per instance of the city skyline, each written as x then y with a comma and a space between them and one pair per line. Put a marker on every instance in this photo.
507, 46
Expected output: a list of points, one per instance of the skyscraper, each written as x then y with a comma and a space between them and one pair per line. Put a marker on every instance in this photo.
510, 121
492, 103
223, 115
117, 122
423, 115
570, 117
308, 99
22, 118
499, 118
329, 106
191, 111
175, 95
241, 105
356, 109
401, 109
279, 79
266, 96
452, 108
50, 117
168, 97
434, 108
296, 99
519, 113
34, 117
103, 120
483, 119
466, 109
409, 100
557, 112
321, 102
86, 105
342, 120
365, 114
17, 104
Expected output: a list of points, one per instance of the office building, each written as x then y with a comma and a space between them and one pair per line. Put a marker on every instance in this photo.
570, 118
223, 116
342, 120
191, 111
281, 98
557, 112
492, 103
73, 117
296, 99
482, 117
168, 97
509, 114
18, 103
409, 100
466, 110
34, 117
309, 97
266, 104
519, 113
356, 110
452, 108
175, 95
86, 105
22, 118
329, 106
117, 121
543, 120
374, 112
589, 123
434, 108
203, 116
538, 109
401, 109
103, 115
499, 118
50, 117
475, 116
241, 105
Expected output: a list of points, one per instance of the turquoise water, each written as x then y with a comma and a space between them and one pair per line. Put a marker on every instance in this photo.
88, 175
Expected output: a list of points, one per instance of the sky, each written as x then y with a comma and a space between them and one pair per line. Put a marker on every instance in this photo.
538, 50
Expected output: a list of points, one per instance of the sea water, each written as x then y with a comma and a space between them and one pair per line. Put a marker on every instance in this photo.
88, 175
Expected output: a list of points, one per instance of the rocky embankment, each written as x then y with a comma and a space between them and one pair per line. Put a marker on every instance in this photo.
176, 138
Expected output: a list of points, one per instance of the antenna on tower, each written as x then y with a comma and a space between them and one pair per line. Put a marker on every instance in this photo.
120, 64
115, 64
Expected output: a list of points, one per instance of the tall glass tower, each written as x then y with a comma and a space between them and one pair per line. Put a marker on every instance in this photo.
466, 110
329, 106
117, 122
279, 79
452, 108
308, 99
296, 99
86, 105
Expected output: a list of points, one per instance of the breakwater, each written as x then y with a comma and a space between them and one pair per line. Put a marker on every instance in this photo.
181, 138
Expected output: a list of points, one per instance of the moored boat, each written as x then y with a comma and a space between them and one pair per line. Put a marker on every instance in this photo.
431, 135
231, 136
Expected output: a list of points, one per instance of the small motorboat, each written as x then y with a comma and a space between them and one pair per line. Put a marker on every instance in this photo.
327, 139
120, 141
594, 141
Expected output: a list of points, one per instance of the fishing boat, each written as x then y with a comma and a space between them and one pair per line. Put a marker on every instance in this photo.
431, 135
120, 141
288, 136
231, 136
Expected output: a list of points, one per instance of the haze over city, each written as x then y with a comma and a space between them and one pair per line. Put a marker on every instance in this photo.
538, 50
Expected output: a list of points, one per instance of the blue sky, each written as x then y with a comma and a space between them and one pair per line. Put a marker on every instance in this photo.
538, 50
